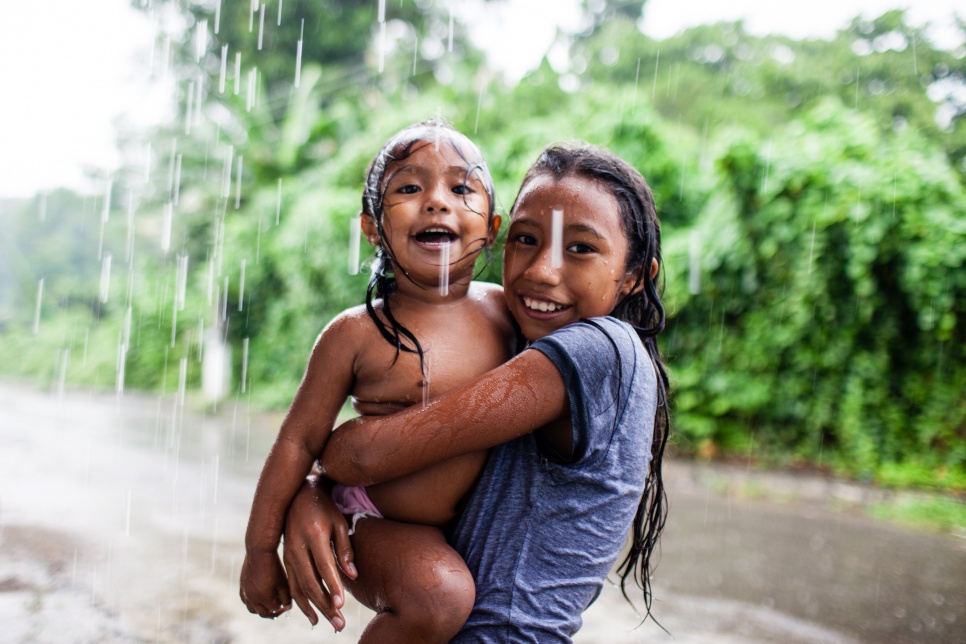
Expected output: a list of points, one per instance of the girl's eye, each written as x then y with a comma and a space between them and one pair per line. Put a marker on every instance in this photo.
461, 189
409, 189
580, 248
526, 240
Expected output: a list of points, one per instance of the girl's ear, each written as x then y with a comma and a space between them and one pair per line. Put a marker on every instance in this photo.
369, 229
634, 282
494, 229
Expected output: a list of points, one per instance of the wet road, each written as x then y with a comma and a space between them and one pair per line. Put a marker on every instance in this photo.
122, 520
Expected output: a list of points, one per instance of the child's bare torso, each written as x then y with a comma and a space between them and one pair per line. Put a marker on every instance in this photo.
460, 341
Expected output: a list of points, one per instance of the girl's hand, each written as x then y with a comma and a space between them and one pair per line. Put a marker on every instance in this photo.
264, 589
316, 534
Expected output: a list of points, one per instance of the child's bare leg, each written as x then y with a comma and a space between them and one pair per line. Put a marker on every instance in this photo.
418, 585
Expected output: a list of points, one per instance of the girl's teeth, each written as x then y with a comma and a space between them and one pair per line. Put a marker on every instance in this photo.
543, 307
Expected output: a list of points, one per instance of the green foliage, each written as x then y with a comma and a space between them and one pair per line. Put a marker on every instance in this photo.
813, 223
941, 514
830, 317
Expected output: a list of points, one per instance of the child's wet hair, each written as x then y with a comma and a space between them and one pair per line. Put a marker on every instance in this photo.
397, 149
643, 310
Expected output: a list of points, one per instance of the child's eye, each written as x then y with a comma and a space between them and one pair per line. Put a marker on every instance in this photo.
580, 248
526, 240
409, 189
462, 189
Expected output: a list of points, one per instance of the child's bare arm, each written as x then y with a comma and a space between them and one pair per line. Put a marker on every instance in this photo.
514, 399
327, 382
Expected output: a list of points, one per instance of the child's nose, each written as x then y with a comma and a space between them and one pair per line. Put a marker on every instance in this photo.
437, 200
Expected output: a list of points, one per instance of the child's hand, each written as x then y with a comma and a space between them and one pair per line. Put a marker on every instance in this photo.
264, 588
313, 526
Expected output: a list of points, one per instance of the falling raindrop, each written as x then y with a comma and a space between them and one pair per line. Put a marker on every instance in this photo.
479, 104
217, 16
811, 252
244, 373
694, 264
181, 282
237, 79
40, 299
252, 78
279, 23
226, 176
261, 25
166, 227
415, 53
201, 40
182, 381
425, 384
556, 238
354, 240
382, 46
223, 70
298, 55
177, 179
452, 23
129, 242
62, 372
106, 211
241, 287
238, 182
105, 278
444, 266
278, 202
657, 62
637, 77
120, 366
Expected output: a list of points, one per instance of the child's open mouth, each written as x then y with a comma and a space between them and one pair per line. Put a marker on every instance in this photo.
436, 236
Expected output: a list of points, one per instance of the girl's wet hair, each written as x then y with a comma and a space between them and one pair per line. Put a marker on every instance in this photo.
643, 310
385, 268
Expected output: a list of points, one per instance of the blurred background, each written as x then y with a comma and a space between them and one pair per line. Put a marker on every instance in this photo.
177, 181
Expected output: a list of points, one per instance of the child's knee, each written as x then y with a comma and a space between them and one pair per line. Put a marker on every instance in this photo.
441, 601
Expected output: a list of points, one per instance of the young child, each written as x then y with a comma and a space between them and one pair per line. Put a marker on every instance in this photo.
428, 207
578, 421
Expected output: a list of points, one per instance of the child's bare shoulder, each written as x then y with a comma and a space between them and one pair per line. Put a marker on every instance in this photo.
491, 300
349, 330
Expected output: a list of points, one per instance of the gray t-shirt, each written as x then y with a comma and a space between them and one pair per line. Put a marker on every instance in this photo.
540, 534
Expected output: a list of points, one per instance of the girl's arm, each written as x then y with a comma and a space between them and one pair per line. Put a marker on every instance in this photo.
512, 400
327, 382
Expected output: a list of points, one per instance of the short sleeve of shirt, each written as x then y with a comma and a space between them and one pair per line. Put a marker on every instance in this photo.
598, 362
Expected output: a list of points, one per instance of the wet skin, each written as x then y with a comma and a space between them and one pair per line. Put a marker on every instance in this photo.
523, 395
429, 204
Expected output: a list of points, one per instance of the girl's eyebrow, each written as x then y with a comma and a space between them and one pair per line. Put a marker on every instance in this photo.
584, 228
571, 228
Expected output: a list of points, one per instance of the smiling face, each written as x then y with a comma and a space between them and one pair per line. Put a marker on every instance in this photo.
434, 204
591, 276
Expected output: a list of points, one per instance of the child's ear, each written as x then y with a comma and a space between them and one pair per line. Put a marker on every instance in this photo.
369, 229
494, 229
654, 267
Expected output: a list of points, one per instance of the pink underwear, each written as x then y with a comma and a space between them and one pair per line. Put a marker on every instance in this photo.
354, 501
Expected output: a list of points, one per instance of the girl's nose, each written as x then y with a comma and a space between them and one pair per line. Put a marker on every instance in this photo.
541, 270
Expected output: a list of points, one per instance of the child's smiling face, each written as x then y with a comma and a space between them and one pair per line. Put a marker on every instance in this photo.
431, 206
592, 276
